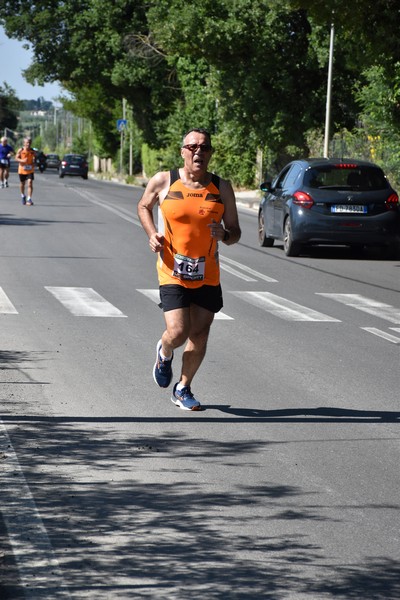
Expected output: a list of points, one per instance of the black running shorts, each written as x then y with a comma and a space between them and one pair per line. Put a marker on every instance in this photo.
176, 296
24, 176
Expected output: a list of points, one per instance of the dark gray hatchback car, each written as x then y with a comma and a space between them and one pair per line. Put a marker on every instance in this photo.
329, 201
73, 164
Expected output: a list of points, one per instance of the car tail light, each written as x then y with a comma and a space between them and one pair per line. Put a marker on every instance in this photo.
345, 166
392, 202
302, 199
63, 162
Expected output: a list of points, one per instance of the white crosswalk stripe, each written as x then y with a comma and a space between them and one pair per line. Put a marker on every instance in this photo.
154, 296
383, 334
6, 306
372, 307
87, 302
84, 302
283, 308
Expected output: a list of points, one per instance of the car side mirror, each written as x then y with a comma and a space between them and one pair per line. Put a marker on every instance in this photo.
266, 186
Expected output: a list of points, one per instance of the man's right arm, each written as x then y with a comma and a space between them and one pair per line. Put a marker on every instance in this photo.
150, 198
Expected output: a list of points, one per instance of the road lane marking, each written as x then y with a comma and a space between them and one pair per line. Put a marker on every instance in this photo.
6, 306
372, 307
283, 308
383, 334
154, 296
233, 271
120, 212
34, 556
84, 302
246, 269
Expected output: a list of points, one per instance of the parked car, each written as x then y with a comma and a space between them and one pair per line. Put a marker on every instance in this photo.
329, 201
73, 164
52, 161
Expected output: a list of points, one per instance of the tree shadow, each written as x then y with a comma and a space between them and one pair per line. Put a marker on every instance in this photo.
378, 579
144, 515
10, 219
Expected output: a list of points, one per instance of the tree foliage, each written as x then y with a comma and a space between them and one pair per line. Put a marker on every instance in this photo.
9, 108
252, 71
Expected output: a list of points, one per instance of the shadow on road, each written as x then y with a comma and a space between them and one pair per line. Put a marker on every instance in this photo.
124, 525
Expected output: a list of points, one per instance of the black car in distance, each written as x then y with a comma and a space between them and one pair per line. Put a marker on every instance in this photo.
52, 161
73, 164
329, 201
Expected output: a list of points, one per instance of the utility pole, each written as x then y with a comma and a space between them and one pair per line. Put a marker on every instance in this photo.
122, 135
329, 91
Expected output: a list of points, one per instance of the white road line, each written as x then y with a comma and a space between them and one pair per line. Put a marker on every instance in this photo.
84, 302
154, 296
283, 308
372, 307
34, 556
395, 329
124, 214
246, 269
383, 334
6, 306
233, 271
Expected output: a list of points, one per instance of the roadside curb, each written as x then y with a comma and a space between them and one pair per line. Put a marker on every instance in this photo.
248, 198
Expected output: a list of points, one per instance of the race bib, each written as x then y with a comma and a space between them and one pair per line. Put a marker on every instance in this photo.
4, 161
189, 268
28, 167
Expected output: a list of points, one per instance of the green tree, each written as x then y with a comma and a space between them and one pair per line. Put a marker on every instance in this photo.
9, 108
252, 71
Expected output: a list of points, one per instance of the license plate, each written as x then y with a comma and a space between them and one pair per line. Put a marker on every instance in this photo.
349, 208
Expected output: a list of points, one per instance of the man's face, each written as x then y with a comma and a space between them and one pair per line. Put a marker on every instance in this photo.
196, 151
4, 142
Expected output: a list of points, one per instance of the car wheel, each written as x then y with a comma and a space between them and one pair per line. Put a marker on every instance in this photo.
84, 176
290, 247
61, 175
263, 240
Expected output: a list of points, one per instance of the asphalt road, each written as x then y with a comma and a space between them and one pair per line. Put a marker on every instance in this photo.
286, 485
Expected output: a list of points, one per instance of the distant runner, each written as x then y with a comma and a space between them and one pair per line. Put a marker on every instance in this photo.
6, 151
26, 168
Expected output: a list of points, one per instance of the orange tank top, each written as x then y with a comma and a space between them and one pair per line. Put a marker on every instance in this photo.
29, 166
190, 255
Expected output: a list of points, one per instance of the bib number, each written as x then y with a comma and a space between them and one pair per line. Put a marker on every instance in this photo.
4, 161
27, 167
189, 268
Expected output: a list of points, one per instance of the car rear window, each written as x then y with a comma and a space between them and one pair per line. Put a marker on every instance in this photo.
346, 177
75, 160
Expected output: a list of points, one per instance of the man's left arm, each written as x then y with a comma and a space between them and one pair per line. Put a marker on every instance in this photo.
230, 218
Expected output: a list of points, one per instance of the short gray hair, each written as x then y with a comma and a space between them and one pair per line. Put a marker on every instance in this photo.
197, 130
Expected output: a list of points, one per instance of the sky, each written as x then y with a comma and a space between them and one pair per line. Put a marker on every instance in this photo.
14, 59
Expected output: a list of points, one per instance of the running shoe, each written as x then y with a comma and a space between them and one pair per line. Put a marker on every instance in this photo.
23, 199
29, 202
1, 185
162, 371
185, 399
6, 184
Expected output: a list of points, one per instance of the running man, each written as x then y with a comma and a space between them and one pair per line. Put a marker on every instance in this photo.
197, 211
26, 168
6, 152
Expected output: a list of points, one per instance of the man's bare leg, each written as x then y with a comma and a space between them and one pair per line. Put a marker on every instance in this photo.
196, 346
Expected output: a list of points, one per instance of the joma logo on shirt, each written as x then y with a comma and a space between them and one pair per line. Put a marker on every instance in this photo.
195, 195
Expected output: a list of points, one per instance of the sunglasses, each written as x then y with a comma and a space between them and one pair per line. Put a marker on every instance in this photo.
194, 147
